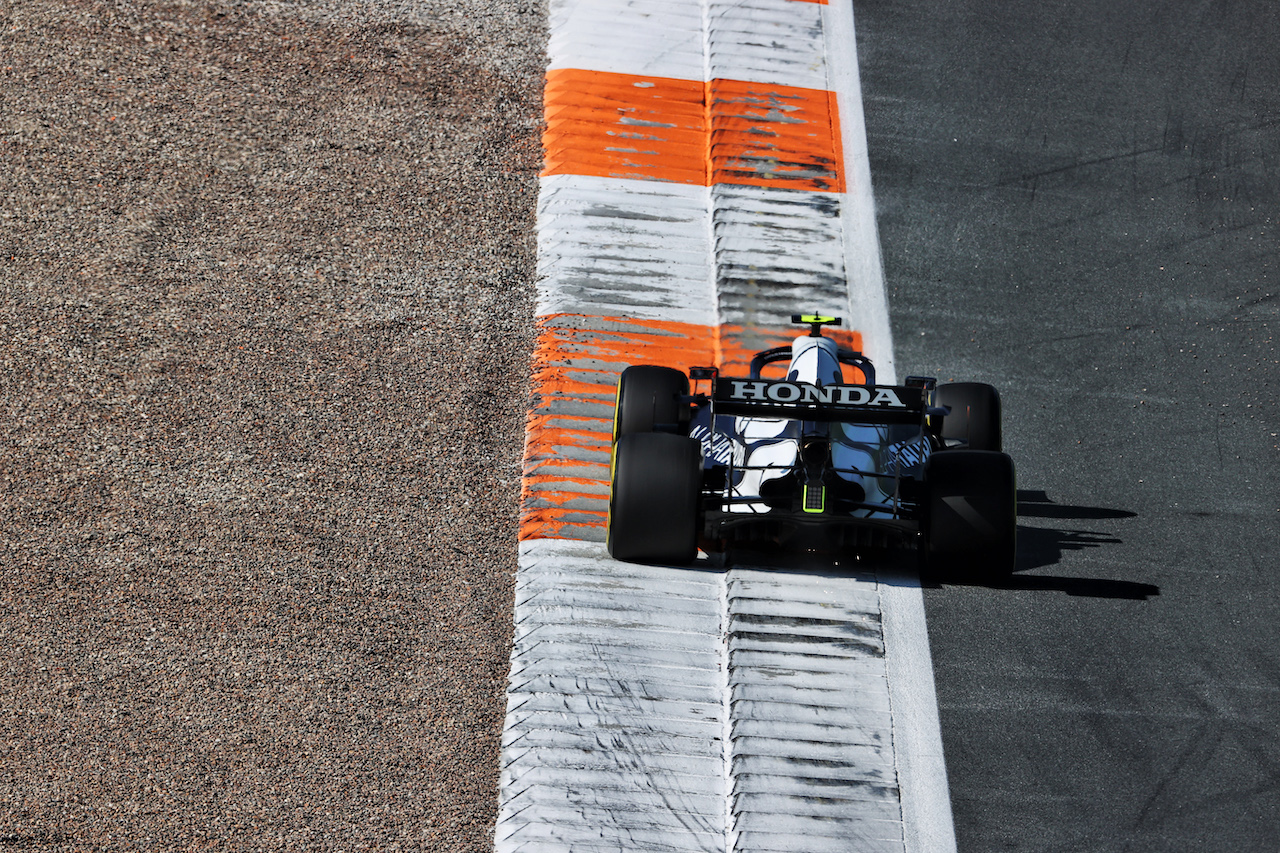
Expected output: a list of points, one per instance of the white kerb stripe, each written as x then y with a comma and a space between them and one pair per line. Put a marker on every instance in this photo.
674, 709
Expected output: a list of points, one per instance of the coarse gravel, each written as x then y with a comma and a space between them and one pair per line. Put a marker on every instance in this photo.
267, 274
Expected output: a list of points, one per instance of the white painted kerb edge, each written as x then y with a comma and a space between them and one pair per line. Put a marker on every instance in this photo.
700, 709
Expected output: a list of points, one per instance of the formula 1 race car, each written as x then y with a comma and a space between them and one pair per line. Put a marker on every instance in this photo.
810, 461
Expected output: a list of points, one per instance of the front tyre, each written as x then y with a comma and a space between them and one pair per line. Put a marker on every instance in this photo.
971, 515
653, 502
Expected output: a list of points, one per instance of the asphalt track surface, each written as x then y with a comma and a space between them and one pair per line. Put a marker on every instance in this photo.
1077, 203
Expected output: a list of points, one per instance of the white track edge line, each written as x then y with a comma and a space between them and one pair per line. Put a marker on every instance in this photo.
863, 267
927, 822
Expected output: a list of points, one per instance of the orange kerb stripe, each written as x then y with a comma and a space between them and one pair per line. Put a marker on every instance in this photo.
572, 364
577, 359
685, 131
775, 136
625, 126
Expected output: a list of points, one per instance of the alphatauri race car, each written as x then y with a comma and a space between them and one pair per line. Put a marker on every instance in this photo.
810, 461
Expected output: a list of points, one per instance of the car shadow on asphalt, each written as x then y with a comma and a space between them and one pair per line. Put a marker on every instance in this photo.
1037, 547
1045, 546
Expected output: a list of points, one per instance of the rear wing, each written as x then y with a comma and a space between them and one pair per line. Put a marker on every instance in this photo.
869, 404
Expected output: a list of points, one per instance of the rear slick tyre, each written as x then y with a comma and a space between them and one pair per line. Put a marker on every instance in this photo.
649, 401
653, 503
975, 415
971, 515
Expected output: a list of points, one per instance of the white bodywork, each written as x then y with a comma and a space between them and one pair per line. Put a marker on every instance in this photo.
771, 445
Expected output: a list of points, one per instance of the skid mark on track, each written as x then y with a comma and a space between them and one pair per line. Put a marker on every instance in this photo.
614, 715
812, 754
